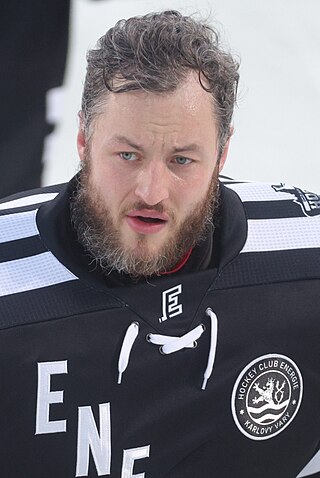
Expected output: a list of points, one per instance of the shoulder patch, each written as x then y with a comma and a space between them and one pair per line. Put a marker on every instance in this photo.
309, 202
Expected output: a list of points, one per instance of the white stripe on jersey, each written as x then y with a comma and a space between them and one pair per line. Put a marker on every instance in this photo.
312, 467
31, 273
282, 234
28, 200
259, 192
17, 226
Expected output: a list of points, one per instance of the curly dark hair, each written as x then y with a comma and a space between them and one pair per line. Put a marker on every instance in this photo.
156, 52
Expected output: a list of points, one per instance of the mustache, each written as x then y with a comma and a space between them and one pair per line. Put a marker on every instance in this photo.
140, 205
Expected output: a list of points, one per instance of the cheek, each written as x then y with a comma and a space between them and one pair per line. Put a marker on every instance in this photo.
114, 190
196, 187
103, 174
188, 197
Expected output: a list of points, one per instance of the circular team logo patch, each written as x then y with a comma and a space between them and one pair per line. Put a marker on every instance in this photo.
266, 396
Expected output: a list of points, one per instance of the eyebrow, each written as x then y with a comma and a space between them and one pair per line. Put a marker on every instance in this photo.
124, 139
192, 147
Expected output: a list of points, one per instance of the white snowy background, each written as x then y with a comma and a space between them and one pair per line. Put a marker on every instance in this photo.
277, 126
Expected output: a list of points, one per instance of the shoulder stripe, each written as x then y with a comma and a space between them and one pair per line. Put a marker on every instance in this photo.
57, 301
32, 273
272, 210
19, 225
27, 200
283, 234
28, 246
258, 192
270, 267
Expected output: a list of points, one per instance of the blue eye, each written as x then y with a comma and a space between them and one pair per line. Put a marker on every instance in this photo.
128, 156
182, 160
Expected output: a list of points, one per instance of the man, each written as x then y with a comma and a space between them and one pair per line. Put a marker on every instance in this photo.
155, 322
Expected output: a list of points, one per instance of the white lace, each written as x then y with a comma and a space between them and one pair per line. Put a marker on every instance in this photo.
169, 344
213, 347
127, 345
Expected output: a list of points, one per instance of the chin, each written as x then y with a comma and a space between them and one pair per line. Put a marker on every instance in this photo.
145, 249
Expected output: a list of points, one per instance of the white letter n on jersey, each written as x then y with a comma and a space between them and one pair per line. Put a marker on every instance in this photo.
88, 438
170, 303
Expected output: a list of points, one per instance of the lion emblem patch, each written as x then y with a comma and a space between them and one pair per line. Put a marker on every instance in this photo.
266, 396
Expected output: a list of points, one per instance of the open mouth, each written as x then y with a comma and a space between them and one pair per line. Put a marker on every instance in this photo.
151, 220
147, 221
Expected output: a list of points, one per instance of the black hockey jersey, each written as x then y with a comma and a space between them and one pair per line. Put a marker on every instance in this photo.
210, 373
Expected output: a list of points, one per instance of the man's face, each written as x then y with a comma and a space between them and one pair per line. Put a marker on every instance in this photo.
149, 174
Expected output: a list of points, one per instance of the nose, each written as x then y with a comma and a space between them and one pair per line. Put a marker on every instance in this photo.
152, 185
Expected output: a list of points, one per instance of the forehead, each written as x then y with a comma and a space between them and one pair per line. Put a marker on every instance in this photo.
188, 105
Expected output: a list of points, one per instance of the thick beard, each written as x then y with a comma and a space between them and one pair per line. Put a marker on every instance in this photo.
101, 239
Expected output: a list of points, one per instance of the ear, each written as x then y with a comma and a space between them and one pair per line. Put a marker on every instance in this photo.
225, 152
81, 139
